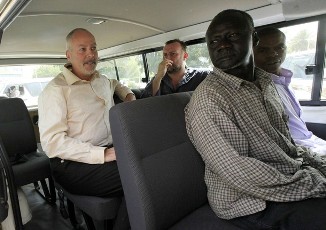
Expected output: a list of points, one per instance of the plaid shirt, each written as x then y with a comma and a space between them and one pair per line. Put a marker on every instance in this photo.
241, 133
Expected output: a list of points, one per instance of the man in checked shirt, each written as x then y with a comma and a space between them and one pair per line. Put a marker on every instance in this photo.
256, 177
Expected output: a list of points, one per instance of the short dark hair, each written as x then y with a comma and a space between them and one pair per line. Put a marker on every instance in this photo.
183, 44
269, 31
244, 14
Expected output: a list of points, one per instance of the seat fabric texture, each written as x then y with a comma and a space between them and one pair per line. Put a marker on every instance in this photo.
161, 172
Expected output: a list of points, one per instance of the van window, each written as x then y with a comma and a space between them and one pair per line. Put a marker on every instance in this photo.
153, 60
26, 82
131, 71
301, 49
198, 56
107, 68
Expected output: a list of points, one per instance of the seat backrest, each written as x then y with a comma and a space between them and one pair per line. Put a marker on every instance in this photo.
161, 172
16, 128
9, 183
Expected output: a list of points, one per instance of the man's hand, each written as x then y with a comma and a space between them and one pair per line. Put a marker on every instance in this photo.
109, 155
163, 67
161, 71
130, 97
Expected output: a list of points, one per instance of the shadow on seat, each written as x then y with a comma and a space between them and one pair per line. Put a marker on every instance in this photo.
161, 172
27, 163
317, 129
98, 212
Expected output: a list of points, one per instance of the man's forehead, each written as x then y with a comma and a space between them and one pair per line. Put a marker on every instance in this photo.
274, 36
173, 47
85, 43
229, 21
271, 39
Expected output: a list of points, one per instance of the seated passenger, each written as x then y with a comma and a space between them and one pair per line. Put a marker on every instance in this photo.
256, 177
269, 55
173, 75
74, 124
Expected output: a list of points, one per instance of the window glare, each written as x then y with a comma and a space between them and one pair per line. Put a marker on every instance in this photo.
26, 82
301, 49
199, 56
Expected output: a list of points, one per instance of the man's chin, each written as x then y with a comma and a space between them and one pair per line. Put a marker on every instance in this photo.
89, 72
229, 67
173, 70
274, 70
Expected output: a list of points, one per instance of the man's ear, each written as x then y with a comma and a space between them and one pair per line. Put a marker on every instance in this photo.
67, 55
185, 56
255, 39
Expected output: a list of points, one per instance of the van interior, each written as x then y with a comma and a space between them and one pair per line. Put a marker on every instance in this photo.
130, 37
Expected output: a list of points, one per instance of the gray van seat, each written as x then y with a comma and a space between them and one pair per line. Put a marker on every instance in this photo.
161, 172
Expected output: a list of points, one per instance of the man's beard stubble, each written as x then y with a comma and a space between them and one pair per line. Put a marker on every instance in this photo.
173, 69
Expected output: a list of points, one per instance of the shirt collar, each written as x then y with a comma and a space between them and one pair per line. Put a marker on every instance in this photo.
284, 78
71, 78
235, 82
231, 80
186, 77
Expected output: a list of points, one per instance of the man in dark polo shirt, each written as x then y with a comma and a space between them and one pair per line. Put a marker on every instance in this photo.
173, 76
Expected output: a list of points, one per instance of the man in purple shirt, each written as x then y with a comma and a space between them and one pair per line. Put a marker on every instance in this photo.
269, 55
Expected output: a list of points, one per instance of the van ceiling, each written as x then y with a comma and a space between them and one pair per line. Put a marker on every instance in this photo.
40, 30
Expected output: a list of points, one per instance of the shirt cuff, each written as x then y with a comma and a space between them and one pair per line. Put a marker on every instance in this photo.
97, 155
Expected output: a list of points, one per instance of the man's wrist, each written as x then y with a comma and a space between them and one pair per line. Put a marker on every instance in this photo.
159, 76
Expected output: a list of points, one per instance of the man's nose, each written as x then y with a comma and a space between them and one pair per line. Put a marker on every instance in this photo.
273, 53
91, 53
223, 43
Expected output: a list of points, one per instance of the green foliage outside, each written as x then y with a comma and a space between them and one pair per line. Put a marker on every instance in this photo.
107, 68
153, 60
43, 71
198, 56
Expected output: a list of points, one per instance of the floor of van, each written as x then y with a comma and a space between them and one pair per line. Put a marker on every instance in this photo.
46, 216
